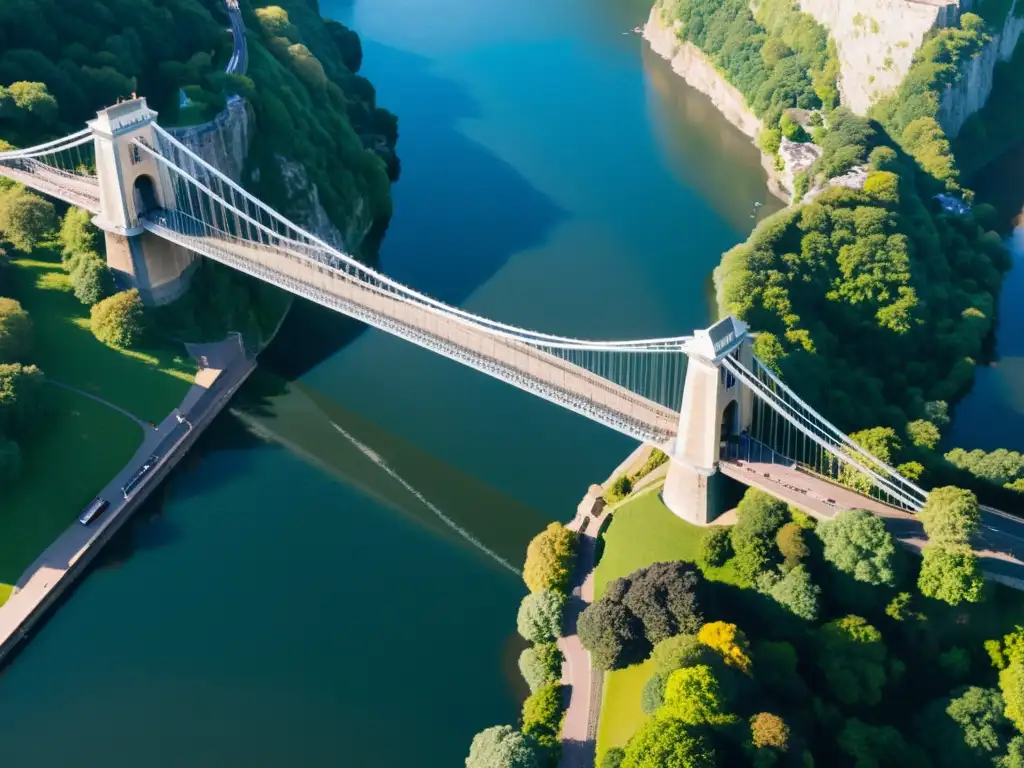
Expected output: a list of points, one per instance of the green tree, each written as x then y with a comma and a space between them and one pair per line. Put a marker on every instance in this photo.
502, 746
10, 461
540, 616
950, 574
852, 657
612, 633
879, 746
760, 516
15, 332
950, 516
791, 544
679, 651
652, 697
775, 667
729, 642
24, 399
715, 548
966, 729
549, 559
613, 758
1014, 757
923, 434
663, 742
34, 101
117, 320
1011, 684
798, 594
543, 714
694, 697
91, 280
541, 665
25, 218
77, 233
857, 543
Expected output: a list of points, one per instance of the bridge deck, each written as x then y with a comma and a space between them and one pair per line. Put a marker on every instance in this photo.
77, 190
518, 363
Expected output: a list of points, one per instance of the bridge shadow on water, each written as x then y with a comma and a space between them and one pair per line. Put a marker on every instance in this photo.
461, 212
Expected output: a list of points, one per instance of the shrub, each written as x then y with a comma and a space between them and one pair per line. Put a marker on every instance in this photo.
77, 233
540, 616
543, 714
715, 548
549, 559
118, 320
620, 489
502, 746
770, 140
613, 758
91, 280
15, 332
653, 695
541, 665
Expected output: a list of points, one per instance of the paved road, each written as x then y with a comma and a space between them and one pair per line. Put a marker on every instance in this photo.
999, 544
204, 400
579, 732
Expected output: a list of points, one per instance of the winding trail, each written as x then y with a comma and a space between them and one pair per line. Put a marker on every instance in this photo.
579, 732
147, 428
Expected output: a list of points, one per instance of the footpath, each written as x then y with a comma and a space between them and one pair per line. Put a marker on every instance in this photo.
579, 732
224, 366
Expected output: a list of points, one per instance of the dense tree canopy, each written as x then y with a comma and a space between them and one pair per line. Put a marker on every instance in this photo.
549, 559
540, 616
25, 218
852, 657
663, 742
117, 320
503, 747
541, 665
15, 332
857, 543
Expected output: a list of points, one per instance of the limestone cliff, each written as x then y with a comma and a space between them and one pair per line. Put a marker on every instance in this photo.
971, 91
224, 143
690, 64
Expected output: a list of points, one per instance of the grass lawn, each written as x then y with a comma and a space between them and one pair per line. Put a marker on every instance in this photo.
643, 531
147, 383
81, 447
621, 715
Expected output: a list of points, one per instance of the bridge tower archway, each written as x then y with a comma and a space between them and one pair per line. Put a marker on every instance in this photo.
132, 183
715, 407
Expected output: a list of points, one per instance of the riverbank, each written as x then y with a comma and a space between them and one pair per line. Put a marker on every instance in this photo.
226, 368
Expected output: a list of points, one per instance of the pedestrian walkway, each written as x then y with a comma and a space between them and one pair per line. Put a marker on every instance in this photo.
579, 732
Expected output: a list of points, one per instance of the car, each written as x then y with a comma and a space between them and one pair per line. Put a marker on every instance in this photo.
96, 508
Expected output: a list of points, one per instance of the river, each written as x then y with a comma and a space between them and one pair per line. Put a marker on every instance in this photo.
330, 580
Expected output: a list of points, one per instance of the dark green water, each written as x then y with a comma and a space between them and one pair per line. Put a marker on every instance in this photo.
289, 601
992, 414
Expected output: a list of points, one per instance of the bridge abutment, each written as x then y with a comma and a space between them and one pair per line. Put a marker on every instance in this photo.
131, 185
715, 408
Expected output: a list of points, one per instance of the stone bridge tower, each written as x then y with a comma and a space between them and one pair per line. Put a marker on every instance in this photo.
715, 407
130, 186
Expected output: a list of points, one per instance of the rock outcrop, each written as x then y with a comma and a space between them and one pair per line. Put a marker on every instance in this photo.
690, 64
876, 41
971, 91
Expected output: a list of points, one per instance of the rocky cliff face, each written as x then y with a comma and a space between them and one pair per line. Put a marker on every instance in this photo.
224, 143
690, 64
876, 40
969, 94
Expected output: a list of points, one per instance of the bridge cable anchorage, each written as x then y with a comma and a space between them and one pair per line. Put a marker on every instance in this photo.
829, 446
641, 380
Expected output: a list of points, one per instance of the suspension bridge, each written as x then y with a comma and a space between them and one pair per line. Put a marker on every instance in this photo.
703, 398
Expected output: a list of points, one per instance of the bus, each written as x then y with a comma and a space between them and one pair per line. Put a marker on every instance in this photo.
94, 510
137, 477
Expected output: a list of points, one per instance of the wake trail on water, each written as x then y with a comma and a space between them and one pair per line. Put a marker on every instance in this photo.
380, 462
